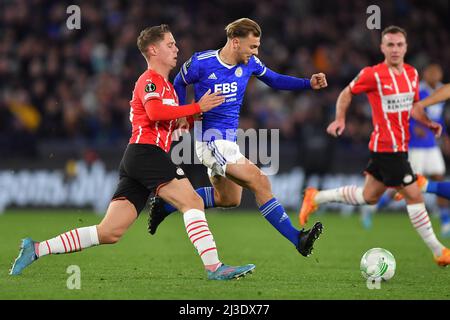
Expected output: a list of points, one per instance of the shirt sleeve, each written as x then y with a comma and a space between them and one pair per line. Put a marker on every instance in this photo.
283, 82
189, 71
364, 81
157, 111
149, 88
259, 68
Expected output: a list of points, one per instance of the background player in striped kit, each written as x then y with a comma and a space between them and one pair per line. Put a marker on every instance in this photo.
424, 154
146, 167
229, 69
391, 87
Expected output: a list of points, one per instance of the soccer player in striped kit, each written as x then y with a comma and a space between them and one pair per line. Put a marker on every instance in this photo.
424, 154
147, 168
229, 69
391, 87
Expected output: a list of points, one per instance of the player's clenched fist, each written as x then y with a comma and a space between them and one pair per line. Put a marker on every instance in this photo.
211, 100
318, 81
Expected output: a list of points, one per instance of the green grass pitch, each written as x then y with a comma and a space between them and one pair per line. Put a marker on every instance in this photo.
166, 266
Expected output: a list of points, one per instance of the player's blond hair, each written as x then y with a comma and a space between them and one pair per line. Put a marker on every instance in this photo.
151, 35
241, 28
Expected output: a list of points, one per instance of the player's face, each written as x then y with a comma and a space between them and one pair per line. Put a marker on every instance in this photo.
433, 74
167, 50
393, 46
247, 47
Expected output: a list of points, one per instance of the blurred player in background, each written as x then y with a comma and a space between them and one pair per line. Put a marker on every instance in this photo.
441, 188
424, 154
440, 95
229, 70
391, 87
147, 168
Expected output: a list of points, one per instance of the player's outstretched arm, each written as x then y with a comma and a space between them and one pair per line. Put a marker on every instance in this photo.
342, 104
283, 82
418, 113
157, 111
211, 100
439, 95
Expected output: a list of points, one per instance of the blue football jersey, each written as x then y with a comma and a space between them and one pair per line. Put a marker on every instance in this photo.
434, 112
206, 71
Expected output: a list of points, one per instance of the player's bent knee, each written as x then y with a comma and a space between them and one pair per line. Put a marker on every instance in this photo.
229, 201
371, 199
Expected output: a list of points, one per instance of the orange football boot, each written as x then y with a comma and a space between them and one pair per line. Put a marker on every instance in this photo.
308, 205
444, 259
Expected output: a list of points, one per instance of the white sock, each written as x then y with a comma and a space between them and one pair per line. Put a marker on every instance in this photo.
202, 239
71, 241
349, 194
421, 222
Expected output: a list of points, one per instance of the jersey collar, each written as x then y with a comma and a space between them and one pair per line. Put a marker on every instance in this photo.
223, 63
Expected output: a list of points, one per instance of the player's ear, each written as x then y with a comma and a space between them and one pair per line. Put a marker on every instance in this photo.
235, 43
152, 50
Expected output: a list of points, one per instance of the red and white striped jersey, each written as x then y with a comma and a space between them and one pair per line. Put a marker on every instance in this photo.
151, 85
391, 97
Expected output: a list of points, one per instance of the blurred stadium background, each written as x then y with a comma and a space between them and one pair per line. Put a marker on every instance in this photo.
64, 93
64, 124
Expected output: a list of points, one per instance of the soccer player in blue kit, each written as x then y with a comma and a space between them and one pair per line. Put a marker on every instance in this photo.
228, 70
425, 154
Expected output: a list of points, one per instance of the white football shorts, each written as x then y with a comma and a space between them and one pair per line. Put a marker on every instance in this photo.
427, 161
216, 154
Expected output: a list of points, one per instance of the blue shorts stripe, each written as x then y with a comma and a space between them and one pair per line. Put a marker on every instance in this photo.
213, 147
218, 152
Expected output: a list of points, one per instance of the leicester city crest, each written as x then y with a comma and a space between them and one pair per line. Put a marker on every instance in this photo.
238, 72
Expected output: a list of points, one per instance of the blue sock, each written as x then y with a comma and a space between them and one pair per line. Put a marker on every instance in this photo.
444, 214
207, 194
440, 188
384, 200
274, 212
